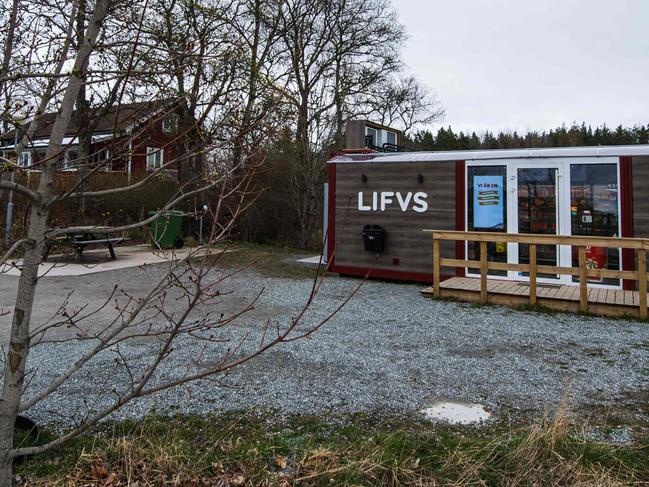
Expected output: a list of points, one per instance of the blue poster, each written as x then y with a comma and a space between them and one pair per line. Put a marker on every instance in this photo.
488, 202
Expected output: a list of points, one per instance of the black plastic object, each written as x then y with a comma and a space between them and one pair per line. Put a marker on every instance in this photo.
30, 430
373, 238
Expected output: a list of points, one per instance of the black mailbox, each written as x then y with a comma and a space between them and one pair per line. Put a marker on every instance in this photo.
373, 238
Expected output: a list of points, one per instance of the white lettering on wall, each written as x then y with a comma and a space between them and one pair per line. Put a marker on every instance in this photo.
384, 199
361, 206
404, 202
421, 205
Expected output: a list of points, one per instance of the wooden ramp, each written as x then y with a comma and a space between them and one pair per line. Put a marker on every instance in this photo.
601, 301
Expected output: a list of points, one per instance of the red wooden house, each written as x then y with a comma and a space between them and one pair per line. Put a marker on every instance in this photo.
132, 138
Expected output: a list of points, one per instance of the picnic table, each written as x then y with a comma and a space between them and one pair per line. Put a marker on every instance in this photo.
84, 238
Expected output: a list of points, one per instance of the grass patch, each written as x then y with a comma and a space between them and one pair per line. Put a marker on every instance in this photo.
268, 261
243, 449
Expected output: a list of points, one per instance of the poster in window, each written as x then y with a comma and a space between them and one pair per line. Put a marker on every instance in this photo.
488, 203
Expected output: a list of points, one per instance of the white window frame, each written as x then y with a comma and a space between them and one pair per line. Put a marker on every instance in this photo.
376, 134
26, 154
104, 155
388, 133
154, 158
67, 163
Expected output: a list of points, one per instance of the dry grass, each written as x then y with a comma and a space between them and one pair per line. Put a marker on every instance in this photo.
247, 451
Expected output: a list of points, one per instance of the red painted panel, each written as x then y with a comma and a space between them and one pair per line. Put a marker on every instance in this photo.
150, 134
626, 223
460, 210
386, 274
331, 215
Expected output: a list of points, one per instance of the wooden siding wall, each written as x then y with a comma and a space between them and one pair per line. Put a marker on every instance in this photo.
641, 196
355, 134
408, 249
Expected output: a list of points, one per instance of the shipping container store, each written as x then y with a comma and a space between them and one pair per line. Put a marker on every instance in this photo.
378, 203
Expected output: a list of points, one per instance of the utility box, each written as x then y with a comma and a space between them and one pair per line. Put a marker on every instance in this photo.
373, 238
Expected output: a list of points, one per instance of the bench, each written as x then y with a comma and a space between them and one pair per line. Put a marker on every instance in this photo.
80, 241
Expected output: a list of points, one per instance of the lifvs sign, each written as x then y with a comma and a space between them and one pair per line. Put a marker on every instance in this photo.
379, 201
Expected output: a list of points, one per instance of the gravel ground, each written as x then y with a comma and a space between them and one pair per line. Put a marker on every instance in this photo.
389, 351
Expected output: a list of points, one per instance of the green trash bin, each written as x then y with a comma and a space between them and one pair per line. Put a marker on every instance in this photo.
167, 230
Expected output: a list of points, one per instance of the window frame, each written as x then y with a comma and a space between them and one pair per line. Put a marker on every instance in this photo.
156, 153
375, 135
30, 158
66, 159
103, 155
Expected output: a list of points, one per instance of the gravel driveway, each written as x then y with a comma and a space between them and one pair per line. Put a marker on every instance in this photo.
388, 351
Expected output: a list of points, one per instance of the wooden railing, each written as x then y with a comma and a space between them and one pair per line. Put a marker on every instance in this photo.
584, 273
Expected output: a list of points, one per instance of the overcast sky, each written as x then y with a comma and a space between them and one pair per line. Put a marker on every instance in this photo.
531, 64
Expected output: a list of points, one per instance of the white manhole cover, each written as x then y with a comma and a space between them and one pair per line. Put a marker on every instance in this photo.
456, 412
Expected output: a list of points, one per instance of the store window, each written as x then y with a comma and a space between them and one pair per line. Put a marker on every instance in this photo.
594, 212
487, 210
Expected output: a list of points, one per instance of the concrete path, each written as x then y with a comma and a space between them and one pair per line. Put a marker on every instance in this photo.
95, 261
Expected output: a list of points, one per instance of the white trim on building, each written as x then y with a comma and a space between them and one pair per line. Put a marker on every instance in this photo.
560, 152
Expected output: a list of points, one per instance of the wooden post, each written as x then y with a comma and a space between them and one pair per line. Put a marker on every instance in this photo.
583, 281
436, 273
642, 282
483, 272
532, 274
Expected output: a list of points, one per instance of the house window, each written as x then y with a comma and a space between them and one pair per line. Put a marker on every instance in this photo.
70, 159
102, 158
25, 159
154, 158
170, 123
371, 137
392, 138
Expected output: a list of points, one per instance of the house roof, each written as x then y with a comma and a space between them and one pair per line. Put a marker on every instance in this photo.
102, 120
482, 155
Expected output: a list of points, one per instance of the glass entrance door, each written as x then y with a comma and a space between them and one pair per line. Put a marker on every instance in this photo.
537, 202
558, 196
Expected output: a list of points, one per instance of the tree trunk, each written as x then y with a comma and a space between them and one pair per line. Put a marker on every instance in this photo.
19, 344
82, 119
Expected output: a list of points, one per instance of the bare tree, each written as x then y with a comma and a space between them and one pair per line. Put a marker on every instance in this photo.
19, 342
343, 55
258, 26
402, 103
182, 303
237, 72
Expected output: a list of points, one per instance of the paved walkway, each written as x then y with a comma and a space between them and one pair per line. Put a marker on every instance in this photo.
98, 261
